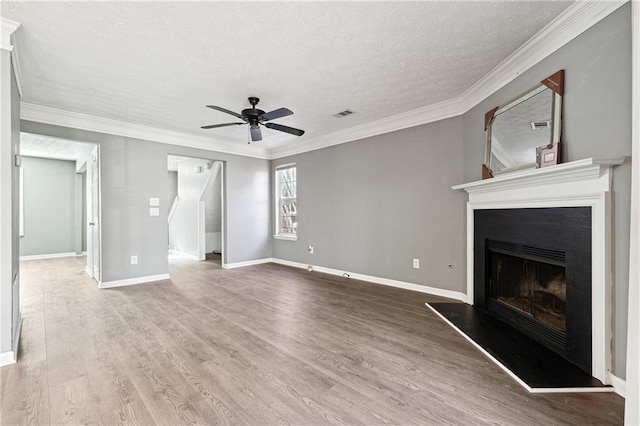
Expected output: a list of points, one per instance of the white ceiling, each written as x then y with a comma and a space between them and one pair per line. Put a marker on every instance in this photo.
159, 63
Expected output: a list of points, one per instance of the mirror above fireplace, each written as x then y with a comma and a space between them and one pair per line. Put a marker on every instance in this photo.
525, 133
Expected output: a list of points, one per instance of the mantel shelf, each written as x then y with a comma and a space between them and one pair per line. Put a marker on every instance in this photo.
588, 168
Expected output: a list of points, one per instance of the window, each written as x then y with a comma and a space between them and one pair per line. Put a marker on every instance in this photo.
286, 205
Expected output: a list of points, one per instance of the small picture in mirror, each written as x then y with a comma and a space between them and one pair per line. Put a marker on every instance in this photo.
548, 155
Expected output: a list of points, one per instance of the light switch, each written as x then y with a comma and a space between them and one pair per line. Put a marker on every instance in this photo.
154, 211
154, 201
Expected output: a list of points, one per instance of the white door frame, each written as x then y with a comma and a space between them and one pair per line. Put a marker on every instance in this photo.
96, 216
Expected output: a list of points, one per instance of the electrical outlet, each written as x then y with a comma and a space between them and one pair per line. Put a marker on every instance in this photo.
310, 248
416, 263
134, 260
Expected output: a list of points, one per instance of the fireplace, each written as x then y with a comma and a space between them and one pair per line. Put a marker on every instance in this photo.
580, 188
533, 272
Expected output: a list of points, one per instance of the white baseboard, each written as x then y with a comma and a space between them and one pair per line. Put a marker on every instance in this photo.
7, 358
378, 280
89, 271
132, 281
16, 336
49, 256
247, 263
619, 385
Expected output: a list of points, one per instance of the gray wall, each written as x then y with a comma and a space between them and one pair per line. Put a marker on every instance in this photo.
134, 170
597, 123
371, 206
50, 225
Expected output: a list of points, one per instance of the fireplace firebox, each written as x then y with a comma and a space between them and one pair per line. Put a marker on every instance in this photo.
533, 272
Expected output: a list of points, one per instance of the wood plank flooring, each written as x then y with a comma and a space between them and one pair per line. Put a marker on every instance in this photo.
258, 345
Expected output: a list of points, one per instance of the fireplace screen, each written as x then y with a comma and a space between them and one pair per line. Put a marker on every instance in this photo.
535, 288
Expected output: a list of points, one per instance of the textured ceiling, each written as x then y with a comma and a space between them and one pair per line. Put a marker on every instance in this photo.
159, 63
46, 147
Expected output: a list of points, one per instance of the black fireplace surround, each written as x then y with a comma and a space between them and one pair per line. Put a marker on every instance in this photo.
532, 270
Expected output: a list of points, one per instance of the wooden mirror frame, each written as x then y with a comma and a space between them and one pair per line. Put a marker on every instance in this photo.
555, 82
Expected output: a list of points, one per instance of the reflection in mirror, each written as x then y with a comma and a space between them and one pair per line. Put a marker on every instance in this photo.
519, 130
525, 133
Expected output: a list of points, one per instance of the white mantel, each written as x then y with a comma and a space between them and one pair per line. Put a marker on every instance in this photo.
575, 184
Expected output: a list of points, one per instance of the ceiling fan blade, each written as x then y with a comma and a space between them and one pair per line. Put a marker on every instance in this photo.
217, 108
256, 133
213, 126
285, 129
276, 113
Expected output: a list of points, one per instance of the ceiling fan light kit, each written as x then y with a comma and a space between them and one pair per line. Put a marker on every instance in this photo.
255, 117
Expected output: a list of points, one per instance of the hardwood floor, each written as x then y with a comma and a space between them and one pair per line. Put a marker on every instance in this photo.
258, 345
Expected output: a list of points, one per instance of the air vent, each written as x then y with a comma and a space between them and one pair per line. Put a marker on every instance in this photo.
343, 113
500, 245
540, 125
545, 253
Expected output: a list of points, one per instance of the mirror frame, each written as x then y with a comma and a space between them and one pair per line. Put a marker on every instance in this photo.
555, 82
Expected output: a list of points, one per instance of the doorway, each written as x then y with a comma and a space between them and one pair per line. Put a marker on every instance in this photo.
195, 221
60, 200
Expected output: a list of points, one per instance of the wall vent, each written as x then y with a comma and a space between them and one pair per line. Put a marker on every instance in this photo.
541, 125
343, 113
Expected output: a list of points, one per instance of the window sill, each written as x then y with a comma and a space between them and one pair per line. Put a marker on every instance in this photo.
286, 237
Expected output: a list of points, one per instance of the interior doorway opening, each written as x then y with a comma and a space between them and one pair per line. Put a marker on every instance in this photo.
196, 220
60, 200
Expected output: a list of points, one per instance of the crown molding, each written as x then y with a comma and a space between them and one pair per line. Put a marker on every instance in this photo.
7, 28
58, 117
576, 19
8, 42
572, 22
428, 114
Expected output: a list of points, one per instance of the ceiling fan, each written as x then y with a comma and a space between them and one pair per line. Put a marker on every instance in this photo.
256, 117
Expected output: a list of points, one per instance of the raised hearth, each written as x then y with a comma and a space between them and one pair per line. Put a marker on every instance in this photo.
530, 266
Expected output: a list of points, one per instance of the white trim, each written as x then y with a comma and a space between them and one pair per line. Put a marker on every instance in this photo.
15, 60
510, 373
286, 237
7, 358
132, 281
16, 338
7, 28
49, 256
578, 183
428, 114
572, 22
576, 19
378, 280
619, 385
632, 390
88, 271
58, 117
276, 205
247, 263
